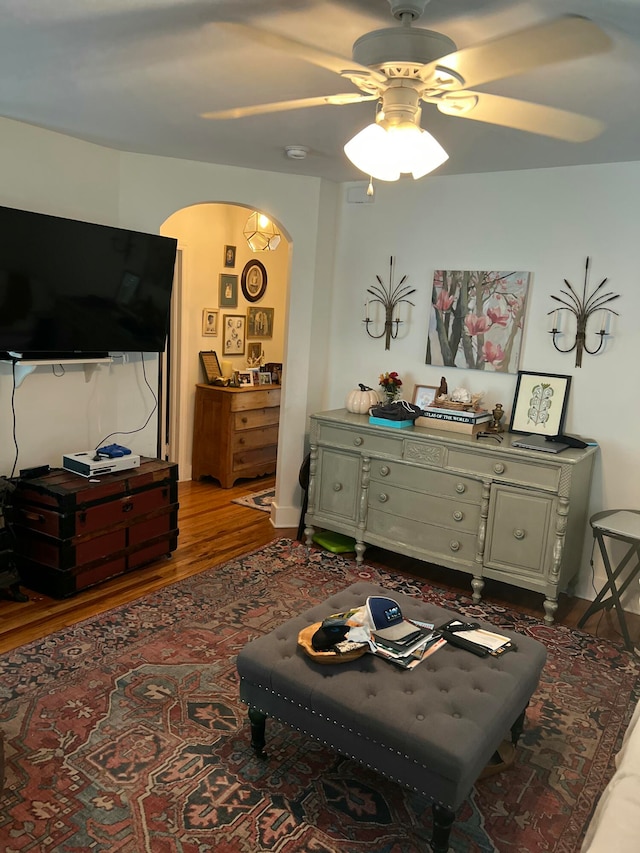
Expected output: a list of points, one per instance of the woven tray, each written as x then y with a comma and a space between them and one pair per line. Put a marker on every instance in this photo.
450, 404
304, 641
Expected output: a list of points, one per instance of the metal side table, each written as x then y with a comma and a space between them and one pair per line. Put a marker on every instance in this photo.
622, 525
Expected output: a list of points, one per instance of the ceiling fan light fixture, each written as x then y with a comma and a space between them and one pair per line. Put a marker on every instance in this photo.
402, 148
261, 234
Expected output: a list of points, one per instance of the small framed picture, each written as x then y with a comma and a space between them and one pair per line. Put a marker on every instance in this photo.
424, 395
275, 369
264, 378
540, 403
245, 378
253, 281
209, 322
228, 290
254, 352
260, 322
230, 257
234, 329
210, 365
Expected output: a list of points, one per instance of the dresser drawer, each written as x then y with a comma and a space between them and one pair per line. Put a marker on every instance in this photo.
253, 418
240, 402
255, 438
431, 541
259, 456
426, 480
419, 507
365, 441
506, 469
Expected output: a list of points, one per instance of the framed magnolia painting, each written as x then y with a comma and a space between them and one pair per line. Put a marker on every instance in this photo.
476, 319
540, 403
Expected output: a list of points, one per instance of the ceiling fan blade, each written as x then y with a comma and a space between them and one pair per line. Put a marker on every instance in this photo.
521, 115
568, 37
314, 55
280, 106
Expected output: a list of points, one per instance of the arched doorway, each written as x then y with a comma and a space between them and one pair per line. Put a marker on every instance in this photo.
207, 289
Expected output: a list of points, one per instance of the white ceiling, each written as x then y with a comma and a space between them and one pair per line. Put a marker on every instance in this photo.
135, 75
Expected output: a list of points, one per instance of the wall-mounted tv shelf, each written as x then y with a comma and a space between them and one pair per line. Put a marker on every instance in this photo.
23, 367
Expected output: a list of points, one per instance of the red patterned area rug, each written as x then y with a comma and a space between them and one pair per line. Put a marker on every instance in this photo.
124, 733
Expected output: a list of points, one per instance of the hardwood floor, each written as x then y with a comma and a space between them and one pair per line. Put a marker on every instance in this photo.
214, 530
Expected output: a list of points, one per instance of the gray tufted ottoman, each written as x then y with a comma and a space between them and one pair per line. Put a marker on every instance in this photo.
432, 729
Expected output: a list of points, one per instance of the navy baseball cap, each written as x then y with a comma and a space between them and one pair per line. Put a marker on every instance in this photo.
386, 617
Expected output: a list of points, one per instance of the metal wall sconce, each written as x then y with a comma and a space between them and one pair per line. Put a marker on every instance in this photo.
582, 309
390, 298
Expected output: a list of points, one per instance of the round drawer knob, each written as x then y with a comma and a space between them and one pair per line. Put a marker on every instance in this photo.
458, 516
241, 441
383, 498
454, 545
384, 471
244, 420
518, 533
498, 468
337, 487
461, 488
357, 441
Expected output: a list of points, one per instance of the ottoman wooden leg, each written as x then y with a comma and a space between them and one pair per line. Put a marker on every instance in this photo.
442, 822
257, 720
518, 726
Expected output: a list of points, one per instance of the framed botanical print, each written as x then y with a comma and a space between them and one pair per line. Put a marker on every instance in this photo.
260, 322
228, 290
253, 281
540, 403
234, 330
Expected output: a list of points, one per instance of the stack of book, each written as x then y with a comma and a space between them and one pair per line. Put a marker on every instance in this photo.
457, 421
412, 649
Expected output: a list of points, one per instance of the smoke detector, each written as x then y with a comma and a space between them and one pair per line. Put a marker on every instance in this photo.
296, 152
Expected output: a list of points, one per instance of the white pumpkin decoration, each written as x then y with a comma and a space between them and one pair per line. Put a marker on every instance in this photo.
361, 400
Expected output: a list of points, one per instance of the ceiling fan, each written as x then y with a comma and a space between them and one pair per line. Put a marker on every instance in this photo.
404, 66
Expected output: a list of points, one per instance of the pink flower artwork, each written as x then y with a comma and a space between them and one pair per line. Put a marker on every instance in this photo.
477, 318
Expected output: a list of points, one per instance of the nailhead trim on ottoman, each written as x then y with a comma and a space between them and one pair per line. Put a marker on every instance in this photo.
432, 729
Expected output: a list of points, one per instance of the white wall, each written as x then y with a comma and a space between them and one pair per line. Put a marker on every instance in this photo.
51, 173
545, 221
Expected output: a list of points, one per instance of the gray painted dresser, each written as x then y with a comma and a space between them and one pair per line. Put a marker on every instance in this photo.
482, 507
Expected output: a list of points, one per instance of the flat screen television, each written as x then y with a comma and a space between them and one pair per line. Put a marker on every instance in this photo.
70, 289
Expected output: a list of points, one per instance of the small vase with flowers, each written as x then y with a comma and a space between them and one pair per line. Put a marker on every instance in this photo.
391, 385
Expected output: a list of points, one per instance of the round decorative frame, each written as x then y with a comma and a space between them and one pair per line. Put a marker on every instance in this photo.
254, 281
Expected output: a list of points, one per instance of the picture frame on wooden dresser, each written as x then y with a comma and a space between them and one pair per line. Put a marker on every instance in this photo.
424, 395
540, 403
